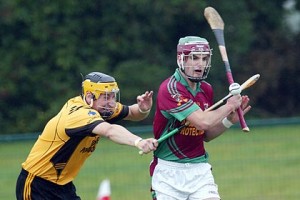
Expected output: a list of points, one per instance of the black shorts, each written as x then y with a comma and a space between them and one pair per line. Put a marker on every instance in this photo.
34, 188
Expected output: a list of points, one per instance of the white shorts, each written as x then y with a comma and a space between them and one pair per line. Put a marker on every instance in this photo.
183, 181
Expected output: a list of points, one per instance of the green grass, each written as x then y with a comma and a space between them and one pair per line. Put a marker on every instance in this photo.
262, 165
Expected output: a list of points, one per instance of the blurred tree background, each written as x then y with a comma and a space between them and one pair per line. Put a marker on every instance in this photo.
47, 45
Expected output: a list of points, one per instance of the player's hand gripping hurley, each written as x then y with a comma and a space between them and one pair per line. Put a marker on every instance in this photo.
217, 25
169, 134
245, 85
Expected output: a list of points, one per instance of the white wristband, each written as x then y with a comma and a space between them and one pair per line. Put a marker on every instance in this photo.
137, 141
227, 123
144, 112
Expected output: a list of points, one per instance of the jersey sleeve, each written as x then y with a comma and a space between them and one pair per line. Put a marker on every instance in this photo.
82, 121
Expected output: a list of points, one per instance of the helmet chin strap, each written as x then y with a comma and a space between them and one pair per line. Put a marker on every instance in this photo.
195, 80
192, 79
92, 102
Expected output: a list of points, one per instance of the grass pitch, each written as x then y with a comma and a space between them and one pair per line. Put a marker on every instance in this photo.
262, 165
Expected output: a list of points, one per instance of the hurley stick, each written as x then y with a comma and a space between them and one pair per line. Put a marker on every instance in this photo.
217, 25
245, 85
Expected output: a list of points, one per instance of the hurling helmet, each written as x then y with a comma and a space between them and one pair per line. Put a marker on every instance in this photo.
193, 45
98, 83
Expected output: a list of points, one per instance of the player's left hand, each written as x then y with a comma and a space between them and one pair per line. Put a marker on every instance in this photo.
233, 117
145, 101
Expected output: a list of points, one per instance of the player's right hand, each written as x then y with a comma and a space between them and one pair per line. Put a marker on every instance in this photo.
235, 101
147, 145
233, 117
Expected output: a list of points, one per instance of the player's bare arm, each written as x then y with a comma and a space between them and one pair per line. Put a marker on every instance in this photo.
206, 120
121, 135
142, 108
233, 118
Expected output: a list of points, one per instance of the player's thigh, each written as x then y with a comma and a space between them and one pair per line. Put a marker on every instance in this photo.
163, 196
209, 189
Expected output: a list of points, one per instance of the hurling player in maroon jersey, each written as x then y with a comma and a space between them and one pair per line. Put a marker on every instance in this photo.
180, 168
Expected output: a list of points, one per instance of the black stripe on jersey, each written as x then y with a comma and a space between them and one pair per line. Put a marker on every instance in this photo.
62, 156
74, 108
122, 115
83, 130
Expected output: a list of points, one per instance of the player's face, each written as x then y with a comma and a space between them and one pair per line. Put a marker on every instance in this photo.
106, 103
194, 64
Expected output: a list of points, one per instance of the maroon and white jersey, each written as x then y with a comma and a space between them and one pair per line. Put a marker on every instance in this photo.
175, 102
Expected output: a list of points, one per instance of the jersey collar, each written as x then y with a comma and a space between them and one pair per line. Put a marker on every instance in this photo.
178, 76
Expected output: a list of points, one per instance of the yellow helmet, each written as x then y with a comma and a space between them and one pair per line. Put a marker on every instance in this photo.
98, 83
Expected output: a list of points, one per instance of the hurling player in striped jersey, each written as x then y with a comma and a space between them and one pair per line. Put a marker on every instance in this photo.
180, 168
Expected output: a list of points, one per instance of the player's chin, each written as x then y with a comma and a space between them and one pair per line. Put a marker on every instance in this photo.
198, 74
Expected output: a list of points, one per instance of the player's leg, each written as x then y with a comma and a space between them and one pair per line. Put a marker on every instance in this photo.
70, 192
165, 186
162, 196
33, 187
28, 188
209, 190
192, 181
20, 186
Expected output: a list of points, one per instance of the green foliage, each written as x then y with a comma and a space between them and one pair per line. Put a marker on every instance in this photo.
150, 76
47, 45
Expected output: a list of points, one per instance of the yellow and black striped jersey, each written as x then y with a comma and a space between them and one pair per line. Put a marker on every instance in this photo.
67, 141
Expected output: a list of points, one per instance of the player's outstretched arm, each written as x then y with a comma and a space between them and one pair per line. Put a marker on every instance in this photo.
121, 135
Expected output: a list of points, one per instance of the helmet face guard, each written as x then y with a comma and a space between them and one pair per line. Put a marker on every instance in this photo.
101, 84
189, 46
99, 88
108, 108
